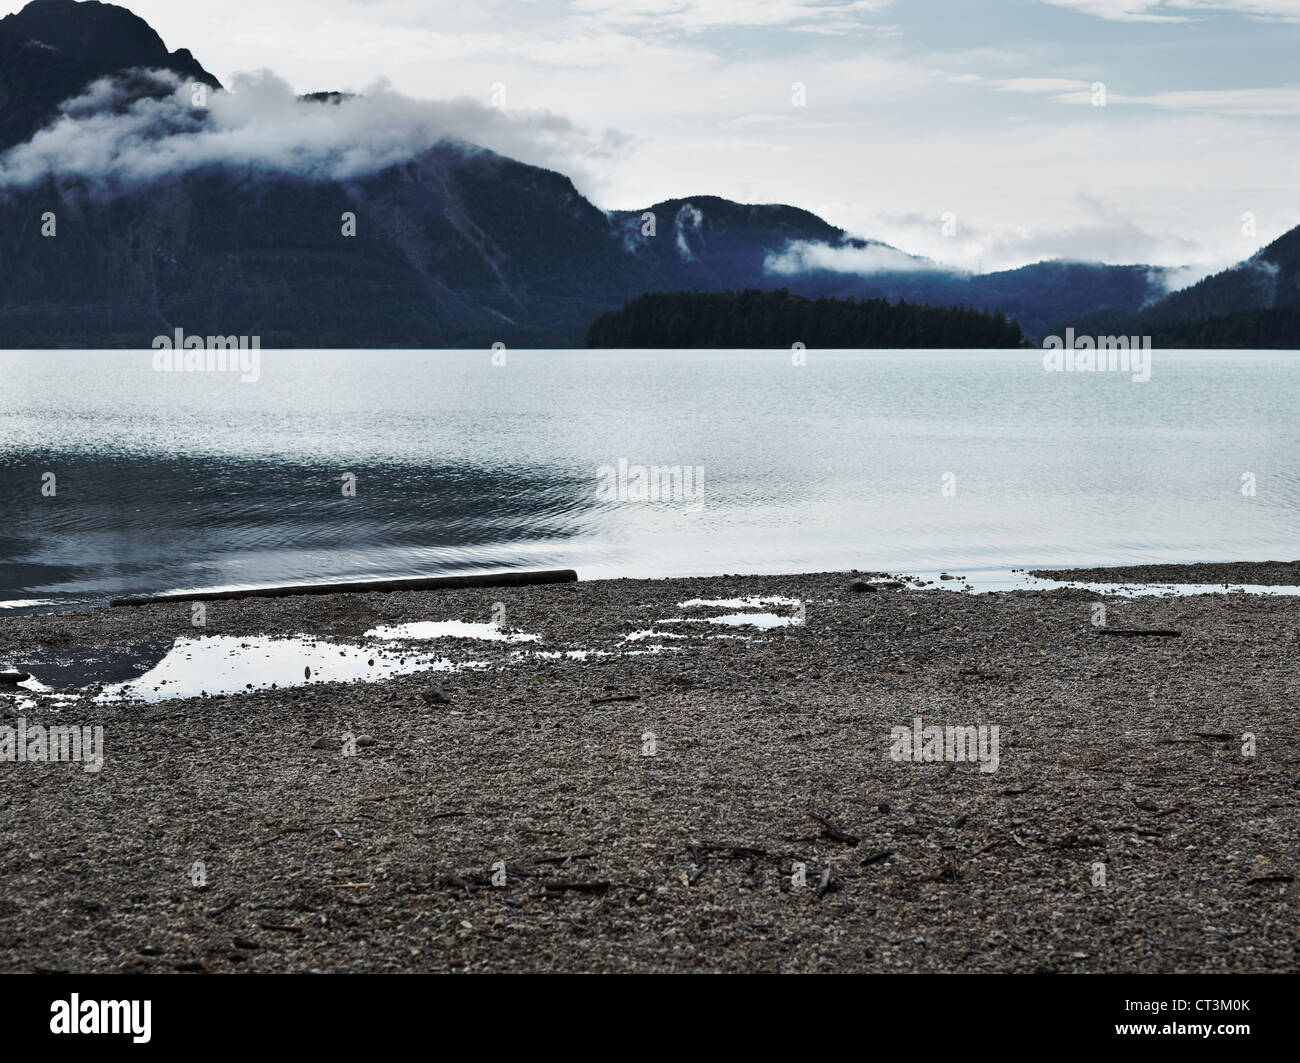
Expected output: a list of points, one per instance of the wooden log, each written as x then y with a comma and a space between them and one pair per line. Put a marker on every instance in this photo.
512, 578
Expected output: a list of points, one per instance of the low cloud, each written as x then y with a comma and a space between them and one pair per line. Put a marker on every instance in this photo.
811, 256
688, 221
145, 125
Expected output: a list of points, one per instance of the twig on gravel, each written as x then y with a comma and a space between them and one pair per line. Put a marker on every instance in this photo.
833, 832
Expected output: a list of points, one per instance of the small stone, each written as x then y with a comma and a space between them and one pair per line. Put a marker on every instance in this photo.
324, 743
435, 696
366, 740
863, 587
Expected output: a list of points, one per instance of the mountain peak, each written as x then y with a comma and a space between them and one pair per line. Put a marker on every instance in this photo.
52, 49
88, 31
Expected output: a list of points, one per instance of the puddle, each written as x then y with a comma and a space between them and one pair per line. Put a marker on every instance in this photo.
216, 664
650, 633
556, 655
82, 666
736, 603
424, 630
227, 664
1141, 590
762, 621
987, 581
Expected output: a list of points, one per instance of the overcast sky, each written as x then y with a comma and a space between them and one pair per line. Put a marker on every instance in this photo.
914, 108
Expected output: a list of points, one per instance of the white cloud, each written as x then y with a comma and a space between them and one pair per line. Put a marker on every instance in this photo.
809, 256
1270, 102
1180, 10
111, 134
696, 15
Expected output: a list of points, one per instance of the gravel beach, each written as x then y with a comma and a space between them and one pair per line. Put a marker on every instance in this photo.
656, 785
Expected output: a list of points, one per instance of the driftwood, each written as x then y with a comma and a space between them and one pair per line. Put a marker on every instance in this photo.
833, 832
513, 578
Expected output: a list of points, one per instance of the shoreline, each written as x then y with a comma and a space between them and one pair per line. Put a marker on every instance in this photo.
771, 747
1156, 576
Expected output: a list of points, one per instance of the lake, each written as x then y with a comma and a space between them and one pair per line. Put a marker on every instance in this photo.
367, 464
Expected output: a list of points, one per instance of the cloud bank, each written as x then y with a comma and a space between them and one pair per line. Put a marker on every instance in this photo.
812, 256
145, 125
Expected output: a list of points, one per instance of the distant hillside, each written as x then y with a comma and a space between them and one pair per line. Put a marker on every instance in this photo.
778, 319
1255, 304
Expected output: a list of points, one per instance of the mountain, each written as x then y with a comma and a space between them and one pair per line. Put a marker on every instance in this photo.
456, 247
1255, 304
52, 49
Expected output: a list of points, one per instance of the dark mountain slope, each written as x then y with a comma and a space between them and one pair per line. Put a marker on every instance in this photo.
460, 246
52, 49
1253, 304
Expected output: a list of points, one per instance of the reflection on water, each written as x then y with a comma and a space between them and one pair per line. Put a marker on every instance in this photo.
911, 462
120, 525
218, 664
422, 630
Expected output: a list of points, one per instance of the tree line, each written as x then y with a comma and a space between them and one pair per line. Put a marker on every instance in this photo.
778, 319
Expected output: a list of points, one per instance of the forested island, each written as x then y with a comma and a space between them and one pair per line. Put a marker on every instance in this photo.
755, 318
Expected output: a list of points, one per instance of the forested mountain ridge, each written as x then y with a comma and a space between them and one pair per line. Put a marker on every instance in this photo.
1254, 304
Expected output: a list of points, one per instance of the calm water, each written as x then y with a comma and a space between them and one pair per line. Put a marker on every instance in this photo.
186, 480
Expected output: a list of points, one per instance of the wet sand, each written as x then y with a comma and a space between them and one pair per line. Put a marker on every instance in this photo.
1121, 755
